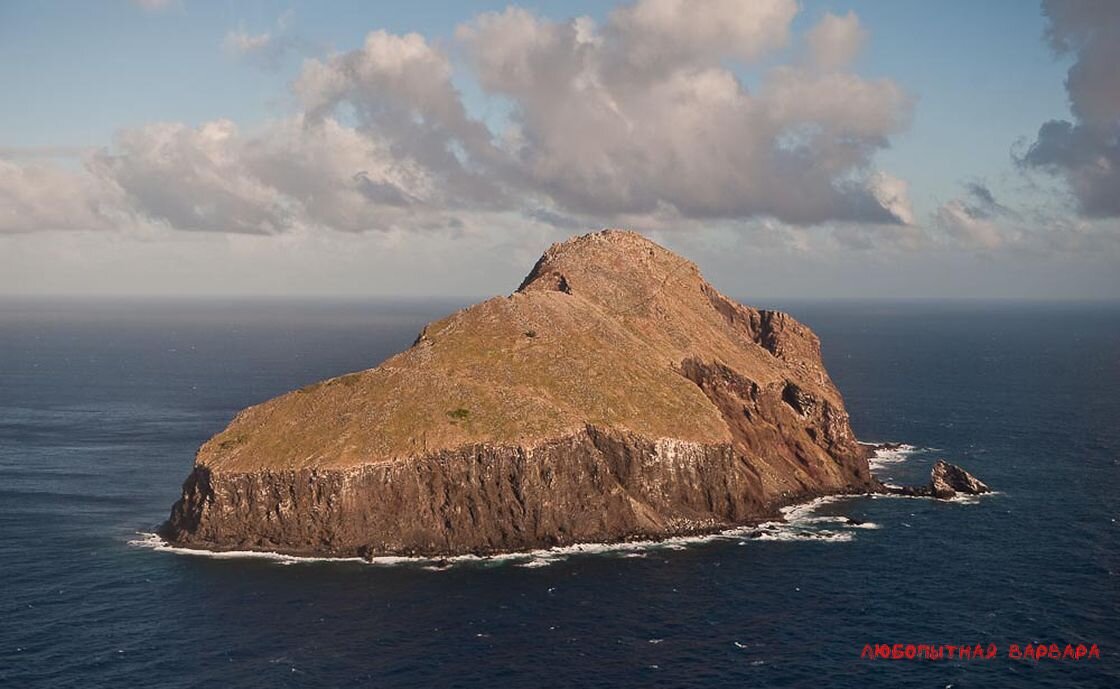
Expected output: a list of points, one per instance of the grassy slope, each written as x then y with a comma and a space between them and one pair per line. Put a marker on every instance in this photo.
540, 363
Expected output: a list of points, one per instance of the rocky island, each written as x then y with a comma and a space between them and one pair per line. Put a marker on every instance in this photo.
615, 395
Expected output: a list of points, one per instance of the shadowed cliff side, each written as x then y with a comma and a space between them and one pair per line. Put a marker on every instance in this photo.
614, 395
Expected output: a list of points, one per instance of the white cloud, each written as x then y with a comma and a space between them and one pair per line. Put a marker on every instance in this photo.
641, 121
644, 114
193, 179
241, 42
400, 90
893, 194
660, 34
294, 173
1086, 151
38, 197
835, 42
978, 221
969, 229
267, 48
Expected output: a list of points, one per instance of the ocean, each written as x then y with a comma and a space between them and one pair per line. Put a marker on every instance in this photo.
103, 404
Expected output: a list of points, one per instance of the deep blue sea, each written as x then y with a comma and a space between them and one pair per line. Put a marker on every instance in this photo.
102, 406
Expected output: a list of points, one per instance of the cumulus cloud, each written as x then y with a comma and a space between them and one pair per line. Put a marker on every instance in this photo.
36, 196
977, 220
1085, 152
400, 89
661, 35
968, 229
835, 42
343, 179
892, 194
639, 121
192, 178
292, 173
628, 119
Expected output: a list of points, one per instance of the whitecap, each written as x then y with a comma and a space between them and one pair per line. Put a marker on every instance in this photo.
789, 536
155, 542
966, 499
804, 510
538, 562
959, 498
882, 457
845, 522
863, 525
797, 525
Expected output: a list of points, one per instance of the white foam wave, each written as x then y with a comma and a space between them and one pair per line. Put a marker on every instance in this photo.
535, 563
960, 498
965, 499
787, 536
846, 522
155, 542
884, 457
864, 525
799, 524
805, 510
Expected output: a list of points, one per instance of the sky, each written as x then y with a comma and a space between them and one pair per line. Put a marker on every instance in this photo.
792, 149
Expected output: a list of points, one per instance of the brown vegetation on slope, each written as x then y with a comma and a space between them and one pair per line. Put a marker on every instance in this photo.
614, 395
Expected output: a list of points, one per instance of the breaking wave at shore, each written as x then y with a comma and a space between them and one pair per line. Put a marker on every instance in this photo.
799, 523
889, 456
895, 454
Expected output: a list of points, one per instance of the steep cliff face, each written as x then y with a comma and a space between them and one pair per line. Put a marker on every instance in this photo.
615, 395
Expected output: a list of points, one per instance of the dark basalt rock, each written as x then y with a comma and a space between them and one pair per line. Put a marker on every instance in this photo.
945, 482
